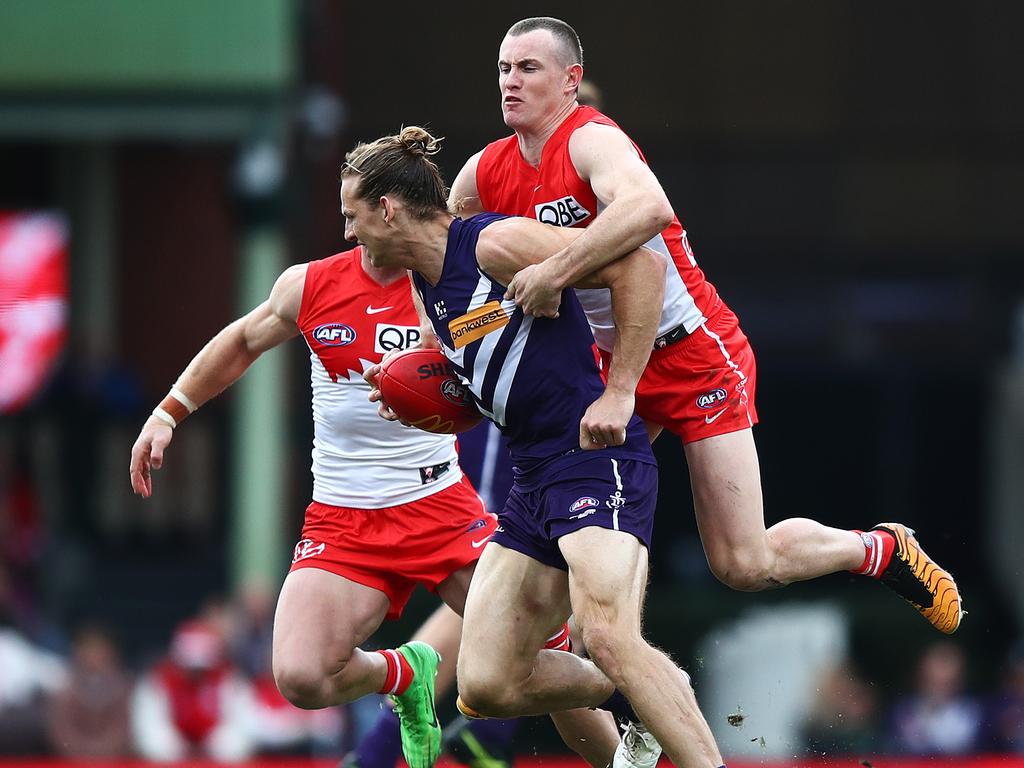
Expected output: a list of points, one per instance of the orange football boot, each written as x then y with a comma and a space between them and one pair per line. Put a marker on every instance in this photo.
921, 581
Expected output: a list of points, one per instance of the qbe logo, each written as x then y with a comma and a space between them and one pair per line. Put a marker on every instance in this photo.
334, 334
391, 337
566, 212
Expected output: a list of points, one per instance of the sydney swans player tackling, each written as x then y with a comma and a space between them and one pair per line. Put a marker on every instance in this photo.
571, 166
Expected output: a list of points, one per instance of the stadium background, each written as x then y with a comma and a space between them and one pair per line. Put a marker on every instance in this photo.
850, 177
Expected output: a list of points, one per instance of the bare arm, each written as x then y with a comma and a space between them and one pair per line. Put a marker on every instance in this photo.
220, 364
464, 197
637, 284
637, 210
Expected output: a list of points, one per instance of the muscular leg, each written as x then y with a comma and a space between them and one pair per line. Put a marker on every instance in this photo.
726, 484
607, 581
514, 605
321, 620
592, 734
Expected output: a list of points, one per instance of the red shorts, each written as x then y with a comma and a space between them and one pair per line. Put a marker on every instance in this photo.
703, 385
395, 548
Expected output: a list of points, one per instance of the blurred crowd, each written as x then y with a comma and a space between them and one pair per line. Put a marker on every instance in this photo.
210, 694
938, 715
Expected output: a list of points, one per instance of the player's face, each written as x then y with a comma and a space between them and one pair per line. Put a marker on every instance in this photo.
533, 81
364, 223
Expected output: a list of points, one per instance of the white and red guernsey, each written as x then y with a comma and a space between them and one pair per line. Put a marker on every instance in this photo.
360, 460
560, 197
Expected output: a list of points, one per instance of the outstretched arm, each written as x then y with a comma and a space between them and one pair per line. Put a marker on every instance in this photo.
636, 210
217, 366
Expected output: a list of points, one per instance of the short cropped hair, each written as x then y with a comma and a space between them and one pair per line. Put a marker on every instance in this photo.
564, 34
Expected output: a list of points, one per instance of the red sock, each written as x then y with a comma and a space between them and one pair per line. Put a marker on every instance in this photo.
400, 674
878, 549
560, 641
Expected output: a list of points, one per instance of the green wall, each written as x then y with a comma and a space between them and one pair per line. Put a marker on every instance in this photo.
125, 45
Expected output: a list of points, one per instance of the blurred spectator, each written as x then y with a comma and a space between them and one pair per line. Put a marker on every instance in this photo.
589, 95
1005, 721
251, 629
842, 720
193, 704
89, 716
21, 533
27, 675
939, 719
278, 727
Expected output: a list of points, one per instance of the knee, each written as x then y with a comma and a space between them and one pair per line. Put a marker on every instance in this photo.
748, 570
303, 680
610, 647
488, 693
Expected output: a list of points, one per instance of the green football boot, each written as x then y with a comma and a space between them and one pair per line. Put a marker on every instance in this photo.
421, 732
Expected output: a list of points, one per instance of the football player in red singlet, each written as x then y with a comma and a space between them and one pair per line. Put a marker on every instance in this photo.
570, 165
391, 507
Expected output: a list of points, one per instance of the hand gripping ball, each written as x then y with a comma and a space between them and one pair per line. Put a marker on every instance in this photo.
422, 388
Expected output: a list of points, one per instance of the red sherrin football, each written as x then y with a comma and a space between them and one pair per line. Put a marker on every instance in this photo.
421, 386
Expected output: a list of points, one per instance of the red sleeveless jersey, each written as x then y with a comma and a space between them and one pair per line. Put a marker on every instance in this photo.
555, 194
360, 460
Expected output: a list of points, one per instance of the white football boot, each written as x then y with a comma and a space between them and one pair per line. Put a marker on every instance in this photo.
637, 749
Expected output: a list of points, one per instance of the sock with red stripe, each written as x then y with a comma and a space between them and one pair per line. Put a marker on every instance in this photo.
560, 641
399, 675
878, 549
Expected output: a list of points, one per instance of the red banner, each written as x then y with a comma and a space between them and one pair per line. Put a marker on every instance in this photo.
33, 302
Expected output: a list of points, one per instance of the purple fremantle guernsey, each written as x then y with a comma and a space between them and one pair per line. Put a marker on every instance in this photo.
533, 377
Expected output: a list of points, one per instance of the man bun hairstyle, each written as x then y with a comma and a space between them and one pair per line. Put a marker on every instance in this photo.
400, 165
564, 34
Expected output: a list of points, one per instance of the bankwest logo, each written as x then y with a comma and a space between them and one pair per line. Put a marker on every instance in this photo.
566, 212
477, 324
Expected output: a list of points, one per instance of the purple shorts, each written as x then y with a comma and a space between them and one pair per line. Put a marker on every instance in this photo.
599, 490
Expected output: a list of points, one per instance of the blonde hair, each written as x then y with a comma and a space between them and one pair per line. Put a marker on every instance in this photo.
400, 165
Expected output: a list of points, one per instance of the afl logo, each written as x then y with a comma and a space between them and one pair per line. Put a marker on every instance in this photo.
334, 334
455, 392
582, 503
712, 398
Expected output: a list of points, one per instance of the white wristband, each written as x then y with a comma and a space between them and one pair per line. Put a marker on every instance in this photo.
182, 398
165, 417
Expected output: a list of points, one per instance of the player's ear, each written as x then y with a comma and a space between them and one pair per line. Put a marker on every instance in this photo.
574, 76
387, 209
